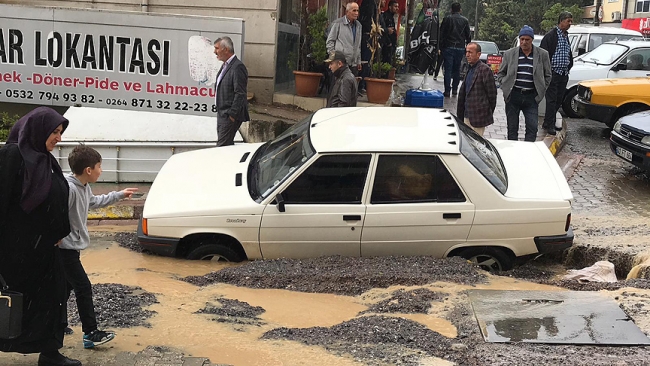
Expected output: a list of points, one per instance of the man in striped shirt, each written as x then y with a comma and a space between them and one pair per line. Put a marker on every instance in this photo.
524, 75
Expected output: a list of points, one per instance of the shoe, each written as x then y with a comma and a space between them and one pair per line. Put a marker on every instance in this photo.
446, 95
97, 338
68, 331
551, 132
454, 94
56, 359
435, 78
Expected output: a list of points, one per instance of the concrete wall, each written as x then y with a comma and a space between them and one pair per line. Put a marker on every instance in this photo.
260, 27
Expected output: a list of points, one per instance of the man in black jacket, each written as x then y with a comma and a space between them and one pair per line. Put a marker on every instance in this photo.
390, 35
454, 35
344, 91
556, 42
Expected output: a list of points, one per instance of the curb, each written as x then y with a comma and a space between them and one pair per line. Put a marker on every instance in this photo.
557, 142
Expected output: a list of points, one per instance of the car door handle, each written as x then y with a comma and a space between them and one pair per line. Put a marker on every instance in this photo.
351, 217
455, 215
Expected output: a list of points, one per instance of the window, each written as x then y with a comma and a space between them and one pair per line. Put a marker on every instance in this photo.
643, 6
331, 179
638, 59
414, 178
484, 157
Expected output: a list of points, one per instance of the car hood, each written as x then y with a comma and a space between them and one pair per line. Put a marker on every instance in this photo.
622, 82
586, 71
532, 171
202, 183
639, 121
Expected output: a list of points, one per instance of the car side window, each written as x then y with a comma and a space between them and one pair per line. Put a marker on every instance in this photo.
331, 179
638, 59
414, 178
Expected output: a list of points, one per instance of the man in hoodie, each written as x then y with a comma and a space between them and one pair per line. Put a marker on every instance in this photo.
86, 165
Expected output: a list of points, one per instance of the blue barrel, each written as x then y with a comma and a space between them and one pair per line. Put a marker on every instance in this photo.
424, 98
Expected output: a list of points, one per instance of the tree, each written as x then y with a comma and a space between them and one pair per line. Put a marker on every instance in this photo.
501, 23
553, 13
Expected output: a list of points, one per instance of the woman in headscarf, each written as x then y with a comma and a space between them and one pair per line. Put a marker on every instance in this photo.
33, 220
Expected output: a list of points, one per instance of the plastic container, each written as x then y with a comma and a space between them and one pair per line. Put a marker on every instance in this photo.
424, 98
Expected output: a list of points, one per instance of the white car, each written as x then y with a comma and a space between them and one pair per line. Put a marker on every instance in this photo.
362, 182
623, 59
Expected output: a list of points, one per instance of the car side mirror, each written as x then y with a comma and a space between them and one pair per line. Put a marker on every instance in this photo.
280, 201
620, 67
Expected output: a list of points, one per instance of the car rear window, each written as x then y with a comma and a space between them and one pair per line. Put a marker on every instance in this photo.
484, 157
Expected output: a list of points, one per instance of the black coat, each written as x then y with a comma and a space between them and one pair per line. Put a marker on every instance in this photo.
549, 43
29, 259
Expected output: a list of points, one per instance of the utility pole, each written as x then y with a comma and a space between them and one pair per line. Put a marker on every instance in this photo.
476, 20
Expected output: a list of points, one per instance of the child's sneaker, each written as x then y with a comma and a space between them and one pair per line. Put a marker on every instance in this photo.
68, 331
97, 337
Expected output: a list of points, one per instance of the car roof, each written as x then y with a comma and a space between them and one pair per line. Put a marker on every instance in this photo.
631, 44
602, 30
382, 129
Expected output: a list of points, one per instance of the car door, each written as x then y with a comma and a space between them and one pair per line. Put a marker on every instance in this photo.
637, 64
415, 208
323, 210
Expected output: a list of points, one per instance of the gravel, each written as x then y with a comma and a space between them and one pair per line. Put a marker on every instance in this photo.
116, 306
344, 275
234, 311
129, 241
407, 302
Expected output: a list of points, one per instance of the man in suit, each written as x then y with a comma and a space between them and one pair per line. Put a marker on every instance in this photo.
524, 75
231, 90
477, 96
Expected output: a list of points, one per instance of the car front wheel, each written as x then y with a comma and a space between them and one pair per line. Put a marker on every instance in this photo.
214, 252
569, 105
488, 258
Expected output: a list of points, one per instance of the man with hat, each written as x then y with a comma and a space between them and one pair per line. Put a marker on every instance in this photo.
524, 74
344, 91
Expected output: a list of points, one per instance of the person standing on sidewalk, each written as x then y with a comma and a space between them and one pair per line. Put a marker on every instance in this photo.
344, 91
556, 42
86, 165
478, 93
231, 89
524, 75
345, 36
389, 44
454, 35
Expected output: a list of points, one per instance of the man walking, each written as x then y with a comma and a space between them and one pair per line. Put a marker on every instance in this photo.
231, 90
389, 36
524, 75
345, 36
344, 91
556, 42
454, 34
478, 93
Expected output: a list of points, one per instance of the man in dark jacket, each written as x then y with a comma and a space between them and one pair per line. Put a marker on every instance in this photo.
344, 91
454, 35
556, 42
478, 93
389, 37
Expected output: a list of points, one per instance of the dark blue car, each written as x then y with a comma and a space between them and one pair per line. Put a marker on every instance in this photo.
630, 139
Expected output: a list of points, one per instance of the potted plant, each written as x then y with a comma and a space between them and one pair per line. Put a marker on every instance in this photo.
378, 90
312, 51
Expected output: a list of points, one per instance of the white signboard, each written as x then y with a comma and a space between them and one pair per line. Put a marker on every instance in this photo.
102, 59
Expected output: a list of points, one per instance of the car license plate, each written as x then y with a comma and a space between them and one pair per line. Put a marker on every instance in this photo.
624, 154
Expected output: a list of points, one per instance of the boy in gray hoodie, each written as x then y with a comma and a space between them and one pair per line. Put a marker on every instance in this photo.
86, 165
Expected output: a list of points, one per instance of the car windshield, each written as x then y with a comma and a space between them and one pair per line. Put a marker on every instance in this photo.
605, 54
484, 156
488, 48
278, 159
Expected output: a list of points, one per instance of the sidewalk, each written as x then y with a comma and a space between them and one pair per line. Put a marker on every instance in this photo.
129, 211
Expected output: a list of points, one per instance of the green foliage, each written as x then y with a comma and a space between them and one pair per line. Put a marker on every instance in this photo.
318, 38
552, 14
500, 23
6, 121
380, 69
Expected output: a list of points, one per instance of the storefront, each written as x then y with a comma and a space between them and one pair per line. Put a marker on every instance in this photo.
638, 24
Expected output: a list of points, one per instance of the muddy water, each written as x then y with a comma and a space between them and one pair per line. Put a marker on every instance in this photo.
177, 325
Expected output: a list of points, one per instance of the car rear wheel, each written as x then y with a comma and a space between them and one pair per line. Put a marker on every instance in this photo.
569, 106
488, 258
214, 252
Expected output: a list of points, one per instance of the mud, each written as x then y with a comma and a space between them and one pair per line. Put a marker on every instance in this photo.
416, 301
342, 275
234, 311
116, 306
129, 241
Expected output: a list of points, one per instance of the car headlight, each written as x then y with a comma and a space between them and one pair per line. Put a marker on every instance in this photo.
617, 126
588, 95
646, 140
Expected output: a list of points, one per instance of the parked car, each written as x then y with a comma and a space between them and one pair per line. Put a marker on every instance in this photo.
607, 100
487, 48
537, 40
585, 38
630, 139
623, 59
362, 182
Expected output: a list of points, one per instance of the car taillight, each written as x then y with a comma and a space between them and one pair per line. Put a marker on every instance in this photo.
145, 229
568, 222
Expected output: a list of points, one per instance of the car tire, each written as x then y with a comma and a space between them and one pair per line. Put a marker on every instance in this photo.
490, 259
568, 104
214, 252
